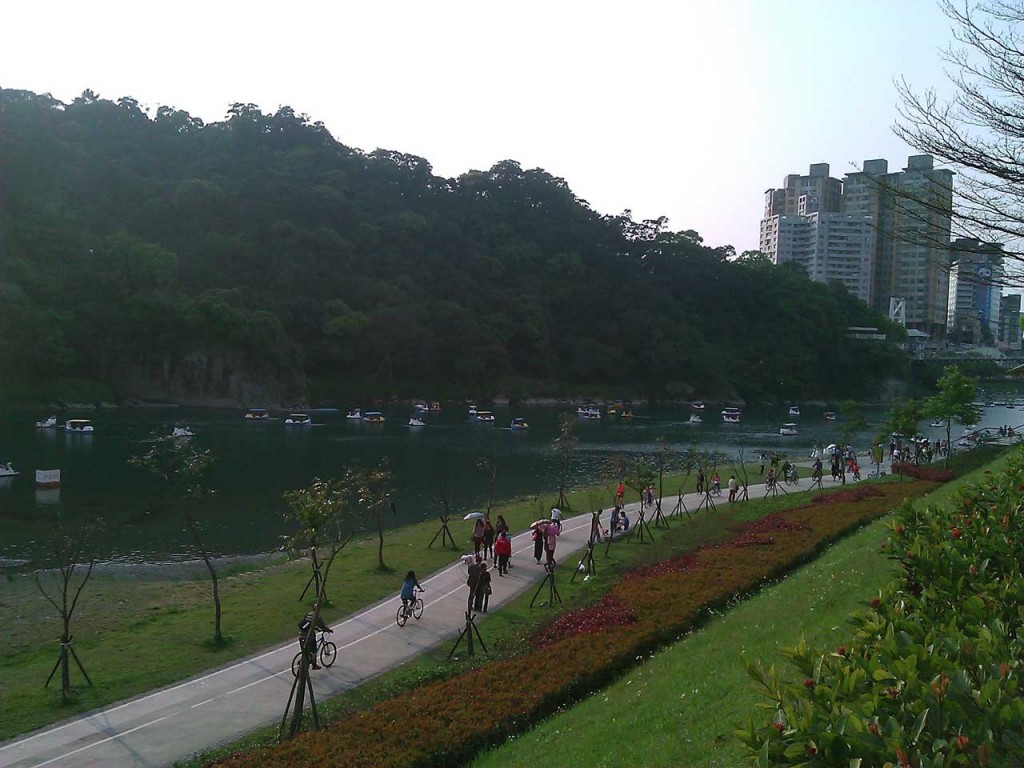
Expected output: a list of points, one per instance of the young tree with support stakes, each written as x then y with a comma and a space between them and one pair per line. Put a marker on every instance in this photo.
954, 401
565, 444
371, 489
69, 555
184, 470
665, 455
320, 512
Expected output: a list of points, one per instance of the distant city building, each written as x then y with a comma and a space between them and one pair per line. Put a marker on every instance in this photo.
910, 210
801, 195
973, 313
829, 246
1009, 323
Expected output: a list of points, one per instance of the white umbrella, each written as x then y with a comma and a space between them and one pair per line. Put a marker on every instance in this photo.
473, 515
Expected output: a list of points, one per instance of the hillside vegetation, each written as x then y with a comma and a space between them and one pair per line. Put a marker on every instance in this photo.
259, 259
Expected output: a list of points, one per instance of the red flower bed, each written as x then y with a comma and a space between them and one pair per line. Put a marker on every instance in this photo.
774, 522
934, 474
606, 613
850, 494
750, 540
678, 564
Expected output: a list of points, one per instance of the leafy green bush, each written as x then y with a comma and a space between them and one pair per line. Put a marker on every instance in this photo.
931, 677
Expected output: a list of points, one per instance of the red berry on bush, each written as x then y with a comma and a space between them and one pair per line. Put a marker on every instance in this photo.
961, 742
874, 729
875, 602
973, 569
841, 650
778, 727
809, 684
956, 533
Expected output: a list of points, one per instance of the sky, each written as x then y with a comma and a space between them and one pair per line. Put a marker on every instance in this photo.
684, 109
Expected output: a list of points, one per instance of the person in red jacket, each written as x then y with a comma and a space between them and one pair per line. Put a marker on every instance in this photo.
503, 551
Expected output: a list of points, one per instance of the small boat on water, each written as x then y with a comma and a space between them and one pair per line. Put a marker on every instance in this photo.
483, 416
50, 422
938, 423
627, 415
356, 414
180, 431
373, 417
518, 423
695, 419
830, 416
6, 470
697, 405
298, 420
789, 429
435, 407
257, 414
588, 411
78, 425
731, 415
472, 409
420, 407
794, 410
416, 421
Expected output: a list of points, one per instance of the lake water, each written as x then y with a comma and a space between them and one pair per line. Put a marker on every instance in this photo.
255, 462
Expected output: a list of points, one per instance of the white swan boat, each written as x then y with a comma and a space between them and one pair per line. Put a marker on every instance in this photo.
518, 423
484, 416
298, 420
697, 405
938, 423
6, 470
355, 414
50, 422
794, 410
590, 412
180, 431
416, 421
789, 429
78, 426
695, 419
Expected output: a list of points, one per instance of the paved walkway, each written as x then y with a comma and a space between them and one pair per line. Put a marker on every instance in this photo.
159, 728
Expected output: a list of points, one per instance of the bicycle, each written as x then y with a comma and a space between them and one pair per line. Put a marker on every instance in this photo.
327, 651
413, 608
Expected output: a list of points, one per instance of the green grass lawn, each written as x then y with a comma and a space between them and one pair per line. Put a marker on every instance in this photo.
682, 706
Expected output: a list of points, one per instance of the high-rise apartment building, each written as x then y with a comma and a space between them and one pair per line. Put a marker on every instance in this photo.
801, 195
829, 246
1009, 323
973, 314
911, 210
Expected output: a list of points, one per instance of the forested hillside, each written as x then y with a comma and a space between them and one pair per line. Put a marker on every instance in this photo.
259, 260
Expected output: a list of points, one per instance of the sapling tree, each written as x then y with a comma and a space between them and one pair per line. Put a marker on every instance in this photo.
69, 554
183, 470
565, 444
371, 490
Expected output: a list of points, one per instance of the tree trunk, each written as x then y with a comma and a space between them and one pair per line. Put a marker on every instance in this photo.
380, 541
218, 638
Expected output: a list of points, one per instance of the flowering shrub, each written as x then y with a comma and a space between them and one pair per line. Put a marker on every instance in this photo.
932, 675
457, 717
607, 612
851, 494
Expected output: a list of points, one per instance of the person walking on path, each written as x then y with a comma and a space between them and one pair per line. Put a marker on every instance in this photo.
538, 543
762, 458
483, 589
503, 552
550, 539
307, 634
478, 536
472, 580
488, 539
733, 487
700, 481
620, 492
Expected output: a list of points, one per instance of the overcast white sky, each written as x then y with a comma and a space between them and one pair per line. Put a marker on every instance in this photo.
684, 109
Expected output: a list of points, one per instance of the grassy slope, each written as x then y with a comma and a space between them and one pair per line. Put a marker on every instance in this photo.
682, 707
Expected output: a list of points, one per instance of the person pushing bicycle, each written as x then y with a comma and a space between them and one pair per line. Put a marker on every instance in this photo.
307, 634
409, 587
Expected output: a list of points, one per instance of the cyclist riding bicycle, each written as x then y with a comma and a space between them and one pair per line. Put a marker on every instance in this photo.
307, 634
409, 587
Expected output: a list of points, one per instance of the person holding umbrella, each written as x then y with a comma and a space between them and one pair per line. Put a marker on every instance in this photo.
538, 538
478, 535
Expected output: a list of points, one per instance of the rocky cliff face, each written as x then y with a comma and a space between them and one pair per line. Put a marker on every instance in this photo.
214, 378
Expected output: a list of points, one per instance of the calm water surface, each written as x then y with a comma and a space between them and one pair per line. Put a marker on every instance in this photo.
255, 462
